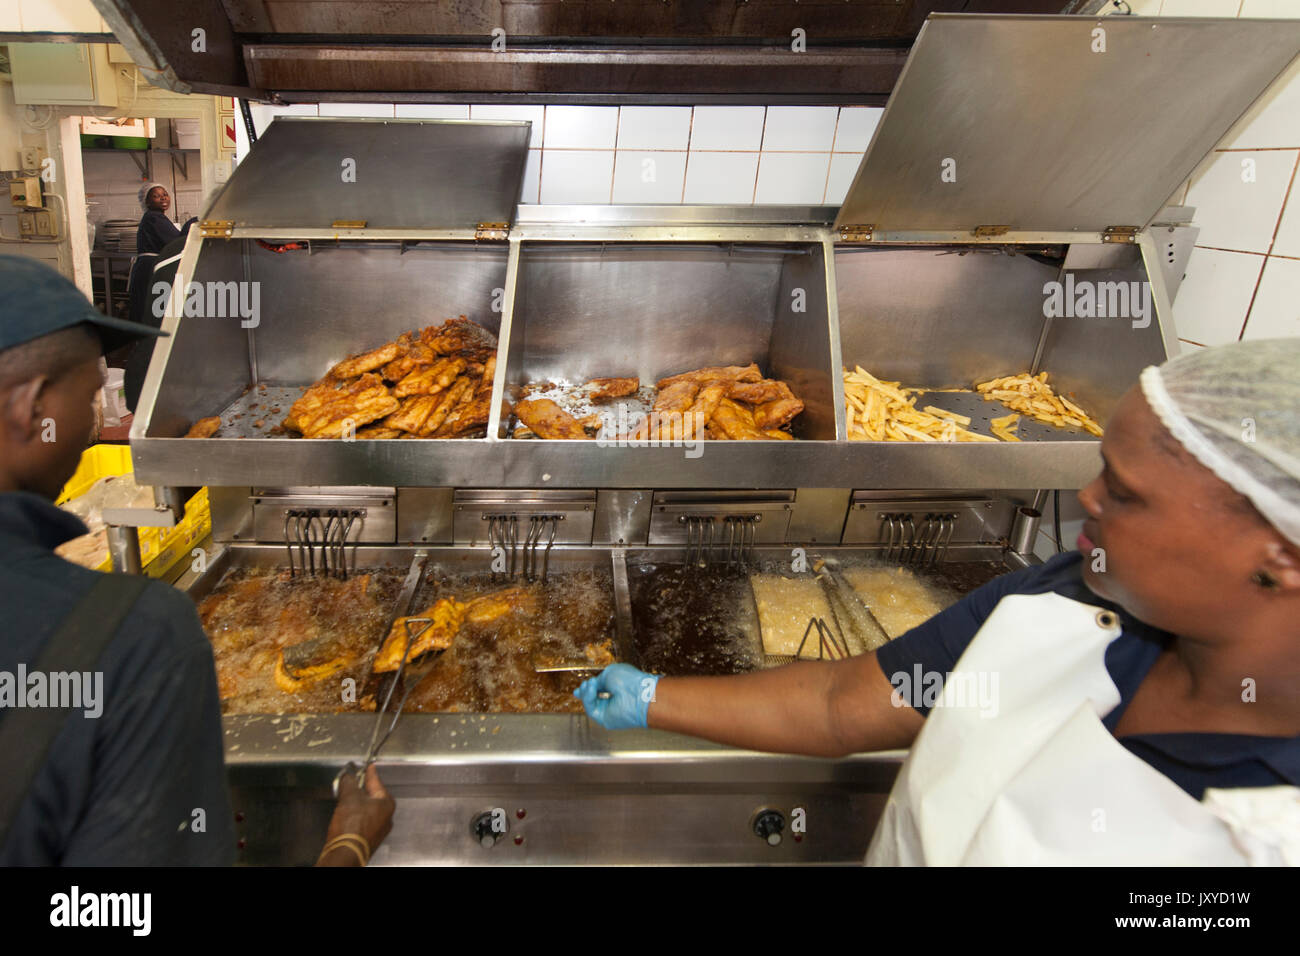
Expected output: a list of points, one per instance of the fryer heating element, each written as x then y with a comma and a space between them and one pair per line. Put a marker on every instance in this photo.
307, 529
503, 533
736, 535
906, 543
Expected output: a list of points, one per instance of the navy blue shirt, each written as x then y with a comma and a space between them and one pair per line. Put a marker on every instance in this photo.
1194, 761
122, 788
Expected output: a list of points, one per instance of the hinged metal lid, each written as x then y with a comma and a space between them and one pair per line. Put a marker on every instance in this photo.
384, 174
1054, 124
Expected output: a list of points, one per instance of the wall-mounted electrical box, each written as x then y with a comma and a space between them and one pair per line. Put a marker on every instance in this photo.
62, 74
25, 193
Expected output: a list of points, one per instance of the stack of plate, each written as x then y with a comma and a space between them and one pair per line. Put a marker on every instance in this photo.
118, 235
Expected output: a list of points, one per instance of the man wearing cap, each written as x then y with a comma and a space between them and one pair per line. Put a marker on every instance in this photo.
110, 725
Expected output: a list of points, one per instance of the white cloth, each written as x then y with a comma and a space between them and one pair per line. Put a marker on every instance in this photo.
1039, 780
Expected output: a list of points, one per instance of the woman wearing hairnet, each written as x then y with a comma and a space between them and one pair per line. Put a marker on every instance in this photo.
1145, 704
156, 229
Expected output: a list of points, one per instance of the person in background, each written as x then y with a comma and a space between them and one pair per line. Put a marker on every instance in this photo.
1146, 708
156, 229
128, 770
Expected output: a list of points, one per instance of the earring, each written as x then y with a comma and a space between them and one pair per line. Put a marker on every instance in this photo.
1264, 580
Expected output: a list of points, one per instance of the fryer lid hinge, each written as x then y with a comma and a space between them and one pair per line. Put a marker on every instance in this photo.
982, 232
492, 230
857, 233
217, 228
1120, 234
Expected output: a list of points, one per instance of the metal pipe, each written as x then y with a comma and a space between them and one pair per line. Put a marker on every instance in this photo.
1024, 530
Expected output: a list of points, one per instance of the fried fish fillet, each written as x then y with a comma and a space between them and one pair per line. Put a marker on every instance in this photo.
460, 336
359, 403
416, 356
445, 616
447, 401
366, 362
490, 607
603, 389
777, 413
472, 414
415, 411
548, 420
716, 373
430, 380
380, 431
204, 428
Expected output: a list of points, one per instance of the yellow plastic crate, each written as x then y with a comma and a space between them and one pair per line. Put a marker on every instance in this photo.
160, 548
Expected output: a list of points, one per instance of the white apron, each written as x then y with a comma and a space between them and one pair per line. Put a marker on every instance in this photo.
1040, 781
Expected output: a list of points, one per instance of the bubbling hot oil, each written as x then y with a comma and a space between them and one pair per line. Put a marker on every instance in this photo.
693, 621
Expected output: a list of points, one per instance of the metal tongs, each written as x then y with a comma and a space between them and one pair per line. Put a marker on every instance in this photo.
827, 641
414, 674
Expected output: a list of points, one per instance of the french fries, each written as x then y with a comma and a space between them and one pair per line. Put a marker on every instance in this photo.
1030, 395
885, 411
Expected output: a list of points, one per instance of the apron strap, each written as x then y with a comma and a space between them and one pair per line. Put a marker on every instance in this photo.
26, 734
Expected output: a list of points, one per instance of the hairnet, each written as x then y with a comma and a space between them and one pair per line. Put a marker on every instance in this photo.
144, 194
1236, 409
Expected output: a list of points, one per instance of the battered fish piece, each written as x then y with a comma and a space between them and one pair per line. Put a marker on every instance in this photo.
378, 432
716, 373
603, 389
474, 413
366, 361
777, 433
490, 607
415, 411
417, 356
447, 616
777, 413
548, 420
204, 428
310, 403
301, 665
362, 402
460, 336
430, 380
448, 400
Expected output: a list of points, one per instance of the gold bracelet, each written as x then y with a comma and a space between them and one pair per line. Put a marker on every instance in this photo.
357, 837
348, 842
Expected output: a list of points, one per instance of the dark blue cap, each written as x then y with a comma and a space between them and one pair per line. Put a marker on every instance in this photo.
36, 300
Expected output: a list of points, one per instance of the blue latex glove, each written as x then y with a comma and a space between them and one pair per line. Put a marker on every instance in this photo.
630, 690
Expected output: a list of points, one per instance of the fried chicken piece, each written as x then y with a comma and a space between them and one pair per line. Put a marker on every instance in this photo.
415, 411
447, 615
756, 393
548, 420
778, 433
417, 356
716, 373
706, 403
359, 403
310, 403
430, 380
204, 428
379, 432
777, 413
735, 421
676, 397
603, 389
365, 362
689, 422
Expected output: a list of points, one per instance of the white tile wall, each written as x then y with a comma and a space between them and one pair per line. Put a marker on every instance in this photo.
665, 154
1243, 279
